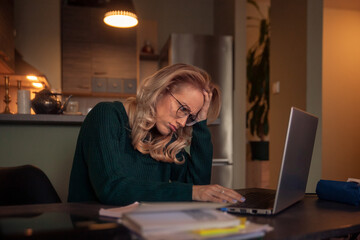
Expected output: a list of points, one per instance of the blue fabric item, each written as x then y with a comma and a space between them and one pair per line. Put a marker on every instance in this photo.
345, 192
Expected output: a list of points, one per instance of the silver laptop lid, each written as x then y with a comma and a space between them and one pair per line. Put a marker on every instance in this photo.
299, 144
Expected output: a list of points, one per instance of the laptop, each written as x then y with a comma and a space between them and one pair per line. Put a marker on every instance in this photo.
299, 144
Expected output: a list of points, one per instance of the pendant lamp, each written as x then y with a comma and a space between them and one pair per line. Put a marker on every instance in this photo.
120, 14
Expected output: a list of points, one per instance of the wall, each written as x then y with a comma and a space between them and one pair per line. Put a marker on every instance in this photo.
224, 24
51, 148
341, 87
314, 83
239, 93
37, 25
186, 16
288, 66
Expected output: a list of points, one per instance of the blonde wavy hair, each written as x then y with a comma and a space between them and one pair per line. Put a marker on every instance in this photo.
142, 110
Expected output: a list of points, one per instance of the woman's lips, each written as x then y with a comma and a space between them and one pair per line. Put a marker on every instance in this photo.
172, 127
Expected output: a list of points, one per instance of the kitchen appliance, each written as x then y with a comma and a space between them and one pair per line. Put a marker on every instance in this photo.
46, 102
214, 54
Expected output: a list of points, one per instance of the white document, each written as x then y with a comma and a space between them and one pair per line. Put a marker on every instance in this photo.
158, 207
117, 212
251, 231
148, 223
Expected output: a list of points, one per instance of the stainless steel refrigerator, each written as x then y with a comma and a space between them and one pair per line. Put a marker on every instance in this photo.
215, 55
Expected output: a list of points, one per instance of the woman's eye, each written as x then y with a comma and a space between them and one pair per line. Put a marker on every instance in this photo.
184, 110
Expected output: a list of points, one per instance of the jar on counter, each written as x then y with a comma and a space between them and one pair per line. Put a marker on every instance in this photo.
147, 48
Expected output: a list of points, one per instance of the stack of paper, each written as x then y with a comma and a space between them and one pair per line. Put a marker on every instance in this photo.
158, 207
159, 223
184, 220
248, 230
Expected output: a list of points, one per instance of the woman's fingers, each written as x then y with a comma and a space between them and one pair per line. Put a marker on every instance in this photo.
216, 193
231, 196
205, 108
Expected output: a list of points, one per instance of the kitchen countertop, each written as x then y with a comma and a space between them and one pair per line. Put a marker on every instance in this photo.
42, 119
49, 119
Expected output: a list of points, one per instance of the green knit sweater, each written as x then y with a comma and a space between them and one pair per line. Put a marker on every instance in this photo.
107, 168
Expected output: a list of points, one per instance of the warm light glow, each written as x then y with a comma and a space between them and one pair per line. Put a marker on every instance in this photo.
37, 85
121, 19
32, 77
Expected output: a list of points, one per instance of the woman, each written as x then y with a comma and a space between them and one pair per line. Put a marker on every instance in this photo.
135, 151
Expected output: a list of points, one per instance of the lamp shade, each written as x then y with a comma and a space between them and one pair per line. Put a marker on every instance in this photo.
120, 14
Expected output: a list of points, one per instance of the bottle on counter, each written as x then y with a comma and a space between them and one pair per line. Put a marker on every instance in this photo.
147, 48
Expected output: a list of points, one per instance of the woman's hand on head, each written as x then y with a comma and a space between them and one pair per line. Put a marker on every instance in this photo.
215, 193
205, 108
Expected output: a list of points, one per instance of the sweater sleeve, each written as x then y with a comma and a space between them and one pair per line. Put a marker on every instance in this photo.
109, 161
197, 169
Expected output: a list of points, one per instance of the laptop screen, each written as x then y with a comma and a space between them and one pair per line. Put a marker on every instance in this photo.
296, 160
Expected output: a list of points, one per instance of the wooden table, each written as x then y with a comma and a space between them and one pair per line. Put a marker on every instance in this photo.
313, 218
310, 218
59, 221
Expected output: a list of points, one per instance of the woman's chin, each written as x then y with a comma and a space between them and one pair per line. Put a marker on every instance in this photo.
164, 131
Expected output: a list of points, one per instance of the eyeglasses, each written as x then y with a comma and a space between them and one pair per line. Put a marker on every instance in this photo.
185, 112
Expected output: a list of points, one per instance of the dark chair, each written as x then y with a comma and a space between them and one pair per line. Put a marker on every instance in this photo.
25, 185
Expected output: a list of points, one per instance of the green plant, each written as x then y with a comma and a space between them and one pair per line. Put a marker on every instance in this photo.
258, 79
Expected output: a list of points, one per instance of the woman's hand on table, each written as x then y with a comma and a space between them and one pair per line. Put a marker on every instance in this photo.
215, 193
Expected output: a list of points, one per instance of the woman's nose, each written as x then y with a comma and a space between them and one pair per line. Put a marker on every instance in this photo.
182, 121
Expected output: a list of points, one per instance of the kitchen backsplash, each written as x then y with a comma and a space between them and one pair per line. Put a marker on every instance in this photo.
87, 103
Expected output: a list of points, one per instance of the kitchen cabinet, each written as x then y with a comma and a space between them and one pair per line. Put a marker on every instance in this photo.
7, 42
148, 65
149, 57
97, 60
147, 34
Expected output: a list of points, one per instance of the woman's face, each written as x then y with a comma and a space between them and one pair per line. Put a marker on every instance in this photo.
167, 120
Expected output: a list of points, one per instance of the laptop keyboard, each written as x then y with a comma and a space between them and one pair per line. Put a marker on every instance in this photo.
256, 199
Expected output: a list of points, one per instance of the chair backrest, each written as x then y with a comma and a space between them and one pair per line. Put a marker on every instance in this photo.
25, 184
